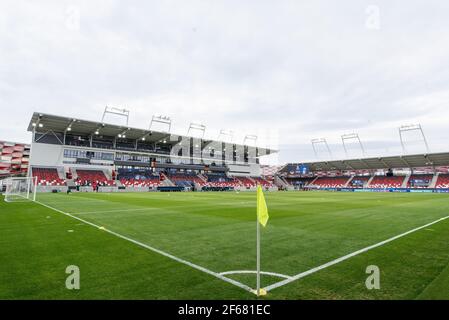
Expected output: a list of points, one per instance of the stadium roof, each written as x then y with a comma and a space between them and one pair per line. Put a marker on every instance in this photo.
390, 162
86, 127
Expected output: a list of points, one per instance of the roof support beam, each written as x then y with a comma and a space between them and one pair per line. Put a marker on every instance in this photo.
365, 163
405, 162
320, 141
117, 111
384, 163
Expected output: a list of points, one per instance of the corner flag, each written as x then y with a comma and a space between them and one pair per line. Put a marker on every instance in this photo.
262, 219
262, 211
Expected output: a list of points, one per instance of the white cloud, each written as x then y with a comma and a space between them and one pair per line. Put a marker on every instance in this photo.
300, 69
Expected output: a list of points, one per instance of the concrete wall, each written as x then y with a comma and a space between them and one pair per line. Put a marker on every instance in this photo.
253, 170
46, 155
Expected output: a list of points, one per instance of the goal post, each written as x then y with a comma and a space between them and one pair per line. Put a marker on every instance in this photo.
20, 189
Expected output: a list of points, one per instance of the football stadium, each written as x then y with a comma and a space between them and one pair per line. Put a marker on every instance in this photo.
221, 158
127, 207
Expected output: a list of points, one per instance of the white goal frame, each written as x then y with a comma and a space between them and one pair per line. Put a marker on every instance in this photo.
20, 189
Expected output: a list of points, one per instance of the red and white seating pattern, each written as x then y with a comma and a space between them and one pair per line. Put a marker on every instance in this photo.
263, 182
48, 177
443, 181
186, 178
92, 177
149, 182
331, 182
383, 182
14, 158
222, 184
241, 182
246, 182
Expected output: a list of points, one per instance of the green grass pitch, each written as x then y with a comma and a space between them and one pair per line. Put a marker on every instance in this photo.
216, 231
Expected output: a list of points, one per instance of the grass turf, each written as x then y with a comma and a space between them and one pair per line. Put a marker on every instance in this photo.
217, 231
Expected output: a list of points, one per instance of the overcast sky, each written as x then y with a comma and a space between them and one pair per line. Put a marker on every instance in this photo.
288, 71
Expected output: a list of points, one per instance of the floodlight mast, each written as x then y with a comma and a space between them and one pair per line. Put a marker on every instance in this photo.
352, 136
197, 126
251, 137
320, 141
112, 110
161, 119
226, 133
412, 127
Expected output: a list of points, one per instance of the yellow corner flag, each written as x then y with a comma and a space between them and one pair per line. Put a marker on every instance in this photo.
262, 211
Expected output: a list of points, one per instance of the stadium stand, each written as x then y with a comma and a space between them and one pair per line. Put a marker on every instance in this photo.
359, 181
92, 178
14, 158
246, 182
443, 181
47, 177
221, 180
94, 160
263, 182
305, 181
132, 178
382, 182
185, 179
419, 180
331, 182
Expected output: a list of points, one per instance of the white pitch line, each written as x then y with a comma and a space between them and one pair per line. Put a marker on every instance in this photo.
165, 209
274, 274
115, 210
168, 255
333, 262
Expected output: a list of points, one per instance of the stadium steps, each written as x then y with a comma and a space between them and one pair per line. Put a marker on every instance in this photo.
280, 182
70, 183
118, 183
166, 182
61, 173
406, 180
107, 174
349, 181
197, 186
74, 174
369, 182
313, 182
433, 183
202, 178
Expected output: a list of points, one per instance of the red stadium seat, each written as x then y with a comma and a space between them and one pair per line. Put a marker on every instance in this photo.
331, 182
443, 181
48, 177
92, 178
383, 182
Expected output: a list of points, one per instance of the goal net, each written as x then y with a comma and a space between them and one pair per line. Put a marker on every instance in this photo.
20, 189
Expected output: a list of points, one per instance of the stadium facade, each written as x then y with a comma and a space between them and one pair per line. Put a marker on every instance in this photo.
74, 154
404, 173
14, 158
70, 153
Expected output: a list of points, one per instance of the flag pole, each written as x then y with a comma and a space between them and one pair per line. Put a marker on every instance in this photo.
258, 255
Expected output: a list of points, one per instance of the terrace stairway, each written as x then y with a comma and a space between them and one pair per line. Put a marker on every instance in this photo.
280, 182
406, 180
433, 183
70, 183
61, 173
349, 181
166, 182
202, 178
369, 182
